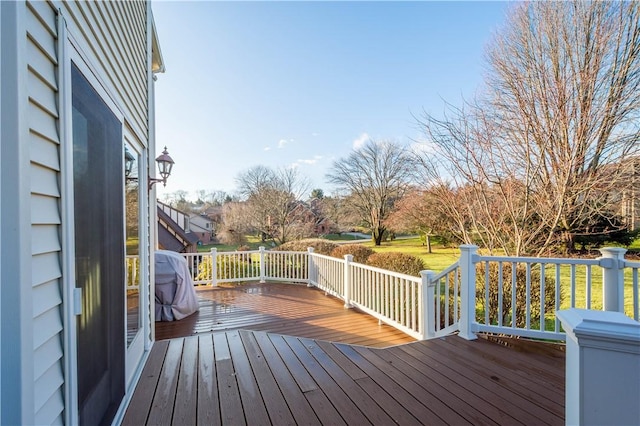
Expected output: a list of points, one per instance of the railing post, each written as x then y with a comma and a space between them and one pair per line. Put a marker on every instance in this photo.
468, 258
602, 367
427, 318
214, 267
262, 265
310, 267
348, 258
612, 263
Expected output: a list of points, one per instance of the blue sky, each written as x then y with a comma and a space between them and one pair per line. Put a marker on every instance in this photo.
299, 84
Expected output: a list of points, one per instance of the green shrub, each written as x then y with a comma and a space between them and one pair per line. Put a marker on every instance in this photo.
521, 294
319, 245
360, 253
231, 268
397, 262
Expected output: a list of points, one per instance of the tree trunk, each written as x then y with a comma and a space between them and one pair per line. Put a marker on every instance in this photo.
376, 236
570, 246
428, 243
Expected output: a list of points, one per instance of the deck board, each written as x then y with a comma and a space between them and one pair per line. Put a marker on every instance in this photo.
286, 354
289, 309
265, 378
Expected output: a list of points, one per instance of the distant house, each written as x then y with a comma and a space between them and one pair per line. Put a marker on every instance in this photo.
77, 95
202, 226
174, 230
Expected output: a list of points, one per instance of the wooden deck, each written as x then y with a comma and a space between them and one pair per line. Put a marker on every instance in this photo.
292, 309
258, 378
231, 371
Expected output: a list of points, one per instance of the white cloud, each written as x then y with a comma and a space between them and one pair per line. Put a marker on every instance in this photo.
423, 146
314, 134
310, 161
361, 140
267, 148
282, 143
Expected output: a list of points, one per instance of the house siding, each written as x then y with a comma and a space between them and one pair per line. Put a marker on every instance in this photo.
117, 47
112, 36
48, 401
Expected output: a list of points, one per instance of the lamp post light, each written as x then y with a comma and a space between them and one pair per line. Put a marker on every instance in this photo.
165, 164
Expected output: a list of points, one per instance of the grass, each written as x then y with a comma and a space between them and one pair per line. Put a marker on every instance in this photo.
340, 237
439, 259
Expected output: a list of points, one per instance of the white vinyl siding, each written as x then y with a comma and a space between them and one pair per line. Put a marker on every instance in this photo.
45, 213
115, 38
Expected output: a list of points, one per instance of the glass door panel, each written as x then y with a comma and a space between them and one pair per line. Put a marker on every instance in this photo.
132, 242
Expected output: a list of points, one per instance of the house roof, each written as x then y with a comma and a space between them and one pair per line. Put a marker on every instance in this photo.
172, 236
157, 62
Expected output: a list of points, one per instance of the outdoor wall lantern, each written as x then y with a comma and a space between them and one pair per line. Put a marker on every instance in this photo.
165, 164
129, 159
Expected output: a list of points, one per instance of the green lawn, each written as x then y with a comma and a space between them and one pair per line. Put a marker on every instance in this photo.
340, 237
439, 259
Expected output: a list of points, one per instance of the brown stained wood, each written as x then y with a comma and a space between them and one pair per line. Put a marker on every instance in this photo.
291, 309
511, 379
490, 366
292, 367
303, 381
231, 410
441, 393
372, 410
254, 410
440, 389
184, 409
385, 378
375, 391
275, 403
161, 412
547, 361
300, 374
140, 404
291, 391
208, 402
340, 400
522, 408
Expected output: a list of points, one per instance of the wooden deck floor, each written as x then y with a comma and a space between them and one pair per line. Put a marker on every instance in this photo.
257, 378
290, 309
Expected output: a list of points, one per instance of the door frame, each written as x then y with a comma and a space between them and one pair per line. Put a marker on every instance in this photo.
70, 50
135, 352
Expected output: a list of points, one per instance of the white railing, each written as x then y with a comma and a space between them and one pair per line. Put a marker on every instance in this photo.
443, 313
327, 273
522, 298
132, 272
288, 266
524, 293
393, 298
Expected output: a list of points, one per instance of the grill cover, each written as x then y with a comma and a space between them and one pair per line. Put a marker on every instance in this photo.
175, 296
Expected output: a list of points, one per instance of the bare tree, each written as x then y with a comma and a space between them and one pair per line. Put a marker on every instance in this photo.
417, 212
374, 176
234, 225
543, 151
272, 198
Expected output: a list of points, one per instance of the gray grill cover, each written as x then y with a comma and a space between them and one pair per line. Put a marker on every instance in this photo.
175, 296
